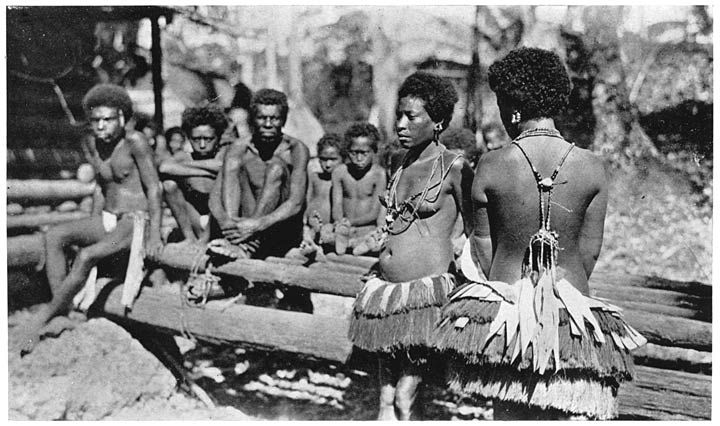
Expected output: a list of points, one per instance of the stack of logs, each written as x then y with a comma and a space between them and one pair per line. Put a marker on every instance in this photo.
673, 371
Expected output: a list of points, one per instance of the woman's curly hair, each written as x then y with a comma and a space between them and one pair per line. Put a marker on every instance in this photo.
532, 80
358, 130
438, 93
108, 95
210, 115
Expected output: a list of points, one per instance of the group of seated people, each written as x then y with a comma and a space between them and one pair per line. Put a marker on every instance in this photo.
508, 308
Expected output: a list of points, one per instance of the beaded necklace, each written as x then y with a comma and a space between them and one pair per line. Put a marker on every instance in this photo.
543, 247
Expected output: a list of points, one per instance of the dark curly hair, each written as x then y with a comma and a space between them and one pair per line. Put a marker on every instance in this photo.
438, 93
270, 97
357, 130
210, 115
333, 140
532, 80
242, 98
173, 131
109, 95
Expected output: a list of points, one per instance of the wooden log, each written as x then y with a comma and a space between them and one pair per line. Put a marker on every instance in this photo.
43, 219
672, 331
182, 256
25, 250
340, 267
652, 295
296, 332
679, 358
666, 395
673, 311
41, 189
361, 261
655, 393
623, 280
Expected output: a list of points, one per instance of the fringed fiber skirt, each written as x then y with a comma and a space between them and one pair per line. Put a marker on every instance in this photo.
399, 317
544, 345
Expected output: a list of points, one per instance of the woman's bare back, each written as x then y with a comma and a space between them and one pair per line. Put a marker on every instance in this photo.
506, 183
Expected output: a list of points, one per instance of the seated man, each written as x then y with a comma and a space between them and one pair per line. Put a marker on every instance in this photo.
188, 178
259, 196
357, 186
128, 192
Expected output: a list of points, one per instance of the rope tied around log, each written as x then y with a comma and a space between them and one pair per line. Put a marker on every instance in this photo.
195, 291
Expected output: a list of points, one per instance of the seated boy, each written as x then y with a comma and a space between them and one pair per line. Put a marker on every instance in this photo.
127, 196
188, 178
175, 139
357, 185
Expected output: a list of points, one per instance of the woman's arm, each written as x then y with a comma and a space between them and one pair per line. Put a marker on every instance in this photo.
593, 228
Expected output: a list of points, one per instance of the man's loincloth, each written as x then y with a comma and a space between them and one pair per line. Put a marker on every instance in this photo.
134, 273
399, 318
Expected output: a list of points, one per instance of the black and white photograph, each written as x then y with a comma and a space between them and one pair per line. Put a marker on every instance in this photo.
343, 212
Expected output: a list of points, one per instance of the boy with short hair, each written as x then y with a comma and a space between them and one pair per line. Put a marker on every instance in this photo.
357, 185
188, 178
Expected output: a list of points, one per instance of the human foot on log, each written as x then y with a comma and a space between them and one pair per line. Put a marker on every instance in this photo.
342, 236
225, 248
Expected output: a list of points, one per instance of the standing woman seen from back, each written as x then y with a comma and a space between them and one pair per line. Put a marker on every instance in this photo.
396, 312
529, 336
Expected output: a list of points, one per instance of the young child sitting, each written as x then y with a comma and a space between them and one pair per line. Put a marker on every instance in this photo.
357, 186
318, 212
188, 178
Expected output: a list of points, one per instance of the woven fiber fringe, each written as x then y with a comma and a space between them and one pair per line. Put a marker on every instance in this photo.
572, 391
604, 359
380, 298
390, 333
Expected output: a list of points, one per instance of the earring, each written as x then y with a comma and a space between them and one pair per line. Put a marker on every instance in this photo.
437, 129
516, 118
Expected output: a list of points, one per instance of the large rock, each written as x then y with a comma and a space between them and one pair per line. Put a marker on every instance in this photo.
84, 374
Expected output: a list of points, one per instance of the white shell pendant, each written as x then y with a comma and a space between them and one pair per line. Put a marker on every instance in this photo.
546, 184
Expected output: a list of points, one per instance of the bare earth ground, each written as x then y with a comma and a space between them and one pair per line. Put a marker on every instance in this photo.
653, 227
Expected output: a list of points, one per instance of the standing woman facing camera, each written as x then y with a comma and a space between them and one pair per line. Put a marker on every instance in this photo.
530, 337
396, 312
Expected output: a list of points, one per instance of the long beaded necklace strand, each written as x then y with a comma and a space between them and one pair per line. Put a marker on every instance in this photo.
544, 185
395, 210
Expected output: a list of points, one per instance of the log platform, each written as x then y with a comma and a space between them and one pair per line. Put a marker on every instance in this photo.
675, 317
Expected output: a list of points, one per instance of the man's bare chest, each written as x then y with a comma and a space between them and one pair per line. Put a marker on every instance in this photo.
119, 167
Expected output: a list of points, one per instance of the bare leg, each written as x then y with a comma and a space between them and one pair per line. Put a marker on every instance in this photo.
406, 391
179, 207
387, 392
114, 242
82, 232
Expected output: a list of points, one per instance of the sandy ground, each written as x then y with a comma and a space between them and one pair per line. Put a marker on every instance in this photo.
97, 371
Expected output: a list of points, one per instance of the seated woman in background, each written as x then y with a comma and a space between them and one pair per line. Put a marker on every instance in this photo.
395, 314
530, 337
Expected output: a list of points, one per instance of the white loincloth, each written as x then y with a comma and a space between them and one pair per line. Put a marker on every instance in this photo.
135, 270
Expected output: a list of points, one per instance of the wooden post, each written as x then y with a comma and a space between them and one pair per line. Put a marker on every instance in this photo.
156, 52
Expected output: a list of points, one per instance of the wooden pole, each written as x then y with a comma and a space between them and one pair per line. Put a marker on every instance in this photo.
47, 190
43, 219
156, 54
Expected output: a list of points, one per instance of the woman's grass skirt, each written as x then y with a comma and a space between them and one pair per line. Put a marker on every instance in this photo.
545, 345
399, 317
